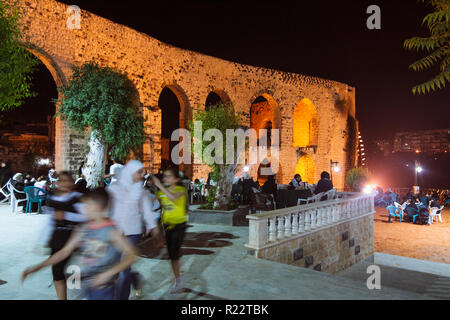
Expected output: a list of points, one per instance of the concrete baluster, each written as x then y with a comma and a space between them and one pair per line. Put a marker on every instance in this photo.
301, 222
280, 234
295, 223
272, 229
287, 226
308, 220
313, 218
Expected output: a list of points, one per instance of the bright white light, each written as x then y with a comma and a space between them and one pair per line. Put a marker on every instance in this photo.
336, 169
368, 189
43, 162
419, 169
246, 168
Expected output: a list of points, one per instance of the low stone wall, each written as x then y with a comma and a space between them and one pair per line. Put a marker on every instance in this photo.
235, 217
329, 249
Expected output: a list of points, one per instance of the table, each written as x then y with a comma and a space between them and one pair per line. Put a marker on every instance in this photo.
288, 198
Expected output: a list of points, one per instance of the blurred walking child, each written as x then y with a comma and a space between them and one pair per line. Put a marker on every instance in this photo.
173, 200
101, 247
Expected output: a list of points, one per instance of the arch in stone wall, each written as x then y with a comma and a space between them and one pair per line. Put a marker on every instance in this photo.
265, 114
305, 124
60, 79
275, 109
217, 96
184, 116
306, 168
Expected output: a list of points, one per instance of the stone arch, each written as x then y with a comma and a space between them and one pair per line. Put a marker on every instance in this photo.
268, 96
60, 129
184, 116
305, 124
264, 114
306, 168
49, 62
217, 96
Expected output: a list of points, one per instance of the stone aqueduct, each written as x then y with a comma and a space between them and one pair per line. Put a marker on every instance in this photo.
316, 117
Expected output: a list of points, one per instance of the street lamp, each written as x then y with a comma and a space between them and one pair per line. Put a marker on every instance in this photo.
336, 168
417, 169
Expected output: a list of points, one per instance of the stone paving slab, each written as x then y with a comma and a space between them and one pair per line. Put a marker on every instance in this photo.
215, 265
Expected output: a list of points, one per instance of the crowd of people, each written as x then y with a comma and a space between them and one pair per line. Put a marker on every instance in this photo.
99, 230
413, 207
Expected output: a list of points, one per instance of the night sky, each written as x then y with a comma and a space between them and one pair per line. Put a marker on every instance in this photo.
327, 39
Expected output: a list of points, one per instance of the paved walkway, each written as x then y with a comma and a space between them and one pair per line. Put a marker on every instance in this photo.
215, 266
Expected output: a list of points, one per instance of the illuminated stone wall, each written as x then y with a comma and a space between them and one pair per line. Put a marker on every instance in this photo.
153, 65
18, 150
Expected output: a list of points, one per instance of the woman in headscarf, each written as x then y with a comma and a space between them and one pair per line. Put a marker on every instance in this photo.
131, 207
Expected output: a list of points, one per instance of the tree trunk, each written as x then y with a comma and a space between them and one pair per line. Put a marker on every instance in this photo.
94, 168
224, 185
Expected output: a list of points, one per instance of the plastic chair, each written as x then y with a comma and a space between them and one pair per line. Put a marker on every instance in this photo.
314, 198
435, 212
5, 192
14, 203
107, 181
399, 207
394, 212
35, 195
411, 211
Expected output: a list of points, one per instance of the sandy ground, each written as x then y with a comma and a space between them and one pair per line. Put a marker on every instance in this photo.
428, 242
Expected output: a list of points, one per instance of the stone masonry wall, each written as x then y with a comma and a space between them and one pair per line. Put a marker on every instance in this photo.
152, 65
330, 250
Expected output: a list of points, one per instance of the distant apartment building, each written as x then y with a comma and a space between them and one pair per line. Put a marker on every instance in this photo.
427, 141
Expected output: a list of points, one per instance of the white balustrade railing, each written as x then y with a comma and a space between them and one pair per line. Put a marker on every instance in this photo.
270, 227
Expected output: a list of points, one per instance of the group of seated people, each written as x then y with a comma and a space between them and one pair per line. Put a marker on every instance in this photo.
416, 208
244, 186
19, 181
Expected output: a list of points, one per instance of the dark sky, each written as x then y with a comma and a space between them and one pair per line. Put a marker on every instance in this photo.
327, 39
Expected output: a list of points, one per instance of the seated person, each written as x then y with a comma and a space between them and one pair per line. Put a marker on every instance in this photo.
296, 181
270, 187
41, 183
324, 184
81, 184
411, 209
435, 203
29, 181
52, 178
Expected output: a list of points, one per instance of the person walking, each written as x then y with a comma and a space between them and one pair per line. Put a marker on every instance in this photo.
130, 207
173, 199
100, 246
65, 213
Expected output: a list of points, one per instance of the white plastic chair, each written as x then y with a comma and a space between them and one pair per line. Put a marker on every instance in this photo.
314, 198
435, 212
14, 203
5, 192
331, 194
399, 208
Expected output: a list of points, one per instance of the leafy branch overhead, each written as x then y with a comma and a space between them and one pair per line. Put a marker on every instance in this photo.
437, 45
16, 63
106, 102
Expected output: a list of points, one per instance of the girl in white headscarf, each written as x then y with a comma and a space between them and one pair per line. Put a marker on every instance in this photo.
130, 208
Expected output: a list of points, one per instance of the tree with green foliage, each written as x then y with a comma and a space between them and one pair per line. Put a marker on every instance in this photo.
437, 45
16, 63
106, 103
356, 178
219, 117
